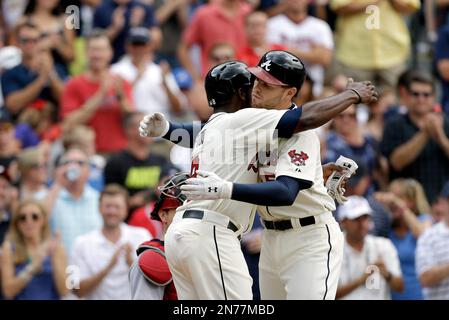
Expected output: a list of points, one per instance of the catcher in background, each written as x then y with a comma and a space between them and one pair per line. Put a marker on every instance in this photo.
149, 276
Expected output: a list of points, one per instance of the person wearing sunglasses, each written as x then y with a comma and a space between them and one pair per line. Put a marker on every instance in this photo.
72, 202
57, 37
33, 262
36, 77
416, 144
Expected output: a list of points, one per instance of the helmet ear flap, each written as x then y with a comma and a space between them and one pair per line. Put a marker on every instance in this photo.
224, 81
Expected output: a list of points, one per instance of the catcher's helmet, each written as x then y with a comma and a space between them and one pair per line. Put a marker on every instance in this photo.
280, 68
171, 196
224, 80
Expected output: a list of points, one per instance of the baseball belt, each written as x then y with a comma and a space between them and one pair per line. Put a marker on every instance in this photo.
282, 225
287, 224
201, 215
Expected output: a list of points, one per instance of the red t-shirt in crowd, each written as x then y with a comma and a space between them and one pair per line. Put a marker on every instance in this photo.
141, 218
251, 58
210, 25
107, 120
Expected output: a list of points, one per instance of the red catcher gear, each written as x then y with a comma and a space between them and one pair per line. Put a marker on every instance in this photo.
154, 267
170, 191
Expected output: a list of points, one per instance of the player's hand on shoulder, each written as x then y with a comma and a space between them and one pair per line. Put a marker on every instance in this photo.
154, 125
207, 186
365, 90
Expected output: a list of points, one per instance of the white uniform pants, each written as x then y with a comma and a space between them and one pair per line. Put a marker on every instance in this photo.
206, 261
303, 263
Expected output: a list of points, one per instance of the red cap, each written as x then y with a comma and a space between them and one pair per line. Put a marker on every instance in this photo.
266, 77
169, 203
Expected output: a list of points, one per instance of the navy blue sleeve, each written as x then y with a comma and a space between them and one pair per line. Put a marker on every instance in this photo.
183, 134
393, 136
281, 192
287, 124
150, 20
9, 83
442, 45
102, 16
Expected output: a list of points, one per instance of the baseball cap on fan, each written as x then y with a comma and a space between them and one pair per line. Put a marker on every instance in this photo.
355, 207
138, 35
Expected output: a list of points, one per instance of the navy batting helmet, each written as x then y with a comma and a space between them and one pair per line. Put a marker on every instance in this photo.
171, 196
224, 81
280, 68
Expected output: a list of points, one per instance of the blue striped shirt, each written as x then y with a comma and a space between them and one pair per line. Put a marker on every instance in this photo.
432, 251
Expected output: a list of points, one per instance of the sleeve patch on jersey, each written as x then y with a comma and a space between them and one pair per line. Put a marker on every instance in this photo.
298, 159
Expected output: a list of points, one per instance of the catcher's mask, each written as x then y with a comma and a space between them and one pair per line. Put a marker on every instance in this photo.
171, 196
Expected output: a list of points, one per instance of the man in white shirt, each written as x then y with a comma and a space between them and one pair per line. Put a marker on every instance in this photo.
103, 257
432, 255
370, 266
154, 86
307, 37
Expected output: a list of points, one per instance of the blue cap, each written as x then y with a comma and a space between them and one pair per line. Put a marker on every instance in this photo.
183, 78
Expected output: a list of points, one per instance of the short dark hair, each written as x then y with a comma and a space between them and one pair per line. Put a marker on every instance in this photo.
413, 75
97, 33
32, 4
423, 78
114, 189
127, 119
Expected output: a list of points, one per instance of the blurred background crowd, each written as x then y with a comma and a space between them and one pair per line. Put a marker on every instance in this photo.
77, 182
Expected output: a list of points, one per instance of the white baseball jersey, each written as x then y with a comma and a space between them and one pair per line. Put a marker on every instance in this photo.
311, 31
225, 146
297, 157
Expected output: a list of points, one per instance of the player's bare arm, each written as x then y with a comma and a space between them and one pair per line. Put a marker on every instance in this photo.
317, 113
310, 116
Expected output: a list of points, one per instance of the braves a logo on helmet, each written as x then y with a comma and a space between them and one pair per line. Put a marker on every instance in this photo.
298, 159
266, 65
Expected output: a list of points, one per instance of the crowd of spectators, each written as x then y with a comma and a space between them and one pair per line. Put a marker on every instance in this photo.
77, 182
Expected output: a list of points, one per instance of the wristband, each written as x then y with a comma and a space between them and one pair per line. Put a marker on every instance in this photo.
360, 98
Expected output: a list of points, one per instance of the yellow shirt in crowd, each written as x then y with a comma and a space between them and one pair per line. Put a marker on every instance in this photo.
374, 39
